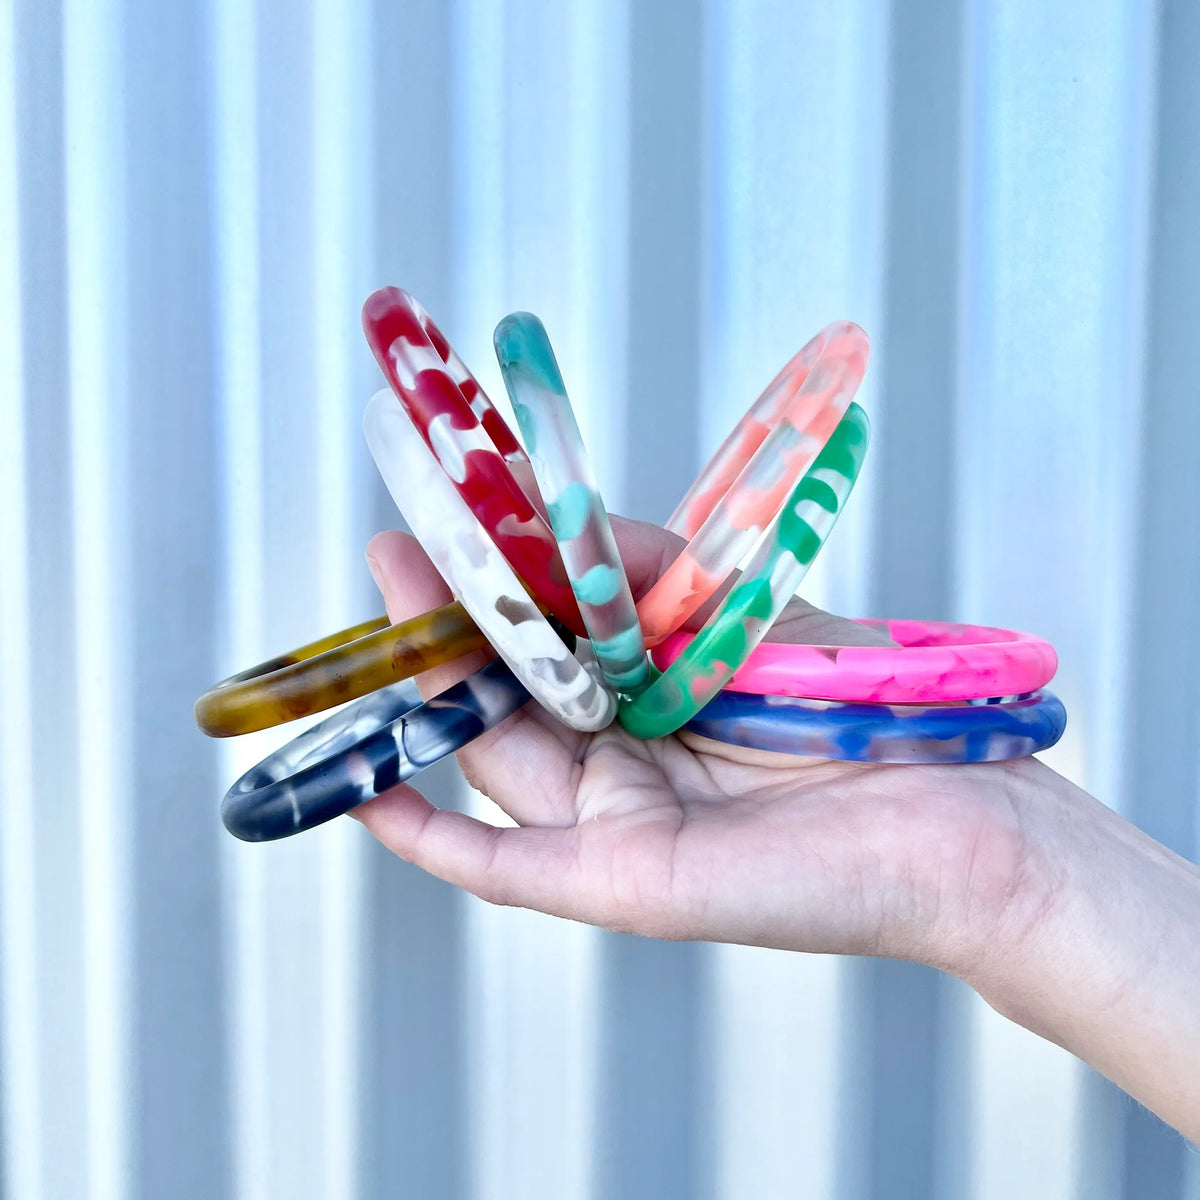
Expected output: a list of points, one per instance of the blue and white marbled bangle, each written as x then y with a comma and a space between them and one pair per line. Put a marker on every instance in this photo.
368, 747
971, 731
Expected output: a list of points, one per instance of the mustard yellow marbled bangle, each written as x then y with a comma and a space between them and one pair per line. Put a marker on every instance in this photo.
334, 669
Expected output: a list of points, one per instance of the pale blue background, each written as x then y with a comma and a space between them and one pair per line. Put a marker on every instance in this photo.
195, 197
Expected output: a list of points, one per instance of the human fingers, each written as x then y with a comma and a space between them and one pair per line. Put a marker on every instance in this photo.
604, 872
411, 585
535, 867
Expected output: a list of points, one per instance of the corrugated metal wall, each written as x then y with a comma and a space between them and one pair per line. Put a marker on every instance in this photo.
194, 199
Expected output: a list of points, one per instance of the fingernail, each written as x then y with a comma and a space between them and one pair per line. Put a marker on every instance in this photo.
376, 572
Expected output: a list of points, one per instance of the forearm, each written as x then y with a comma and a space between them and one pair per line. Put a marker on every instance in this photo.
1099, 950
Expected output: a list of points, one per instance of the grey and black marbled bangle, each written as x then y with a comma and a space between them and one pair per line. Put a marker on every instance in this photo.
368, 747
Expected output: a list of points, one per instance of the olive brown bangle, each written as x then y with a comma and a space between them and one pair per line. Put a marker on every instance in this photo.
334, 669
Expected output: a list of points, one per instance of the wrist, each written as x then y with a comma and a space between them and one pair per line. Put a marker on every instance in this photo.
1096, 947
1030, 819
994, 876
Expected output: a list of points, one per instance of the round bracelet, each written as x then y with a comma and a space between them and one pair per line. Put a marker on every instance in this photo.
934, 661
760, 595
469, 439
363, 750
577, 513
478, 574
818, 389
882, 733
744, 439
334, 669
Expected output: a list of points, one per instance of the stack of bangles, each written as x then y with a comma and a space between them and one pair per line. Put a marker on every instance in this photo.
551, 599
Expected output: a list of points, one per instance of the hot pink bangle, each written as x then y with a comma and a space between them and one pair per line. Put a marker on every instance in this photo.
746, 483
934, 661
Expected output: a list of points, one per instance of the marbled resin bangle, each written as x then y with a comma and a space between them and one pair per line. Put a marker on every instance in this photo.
934, 661
363, 750
577, 513
334, 669
971, 731
469, 439
478, 574
743, 440
808, 400
759, 596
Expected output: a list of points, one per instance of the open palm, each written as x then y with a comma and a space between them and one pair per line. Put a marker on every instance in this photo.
683, 837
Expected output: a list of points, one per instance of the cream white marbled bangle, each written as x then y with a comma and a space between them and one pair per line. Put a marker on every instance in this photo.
478, 574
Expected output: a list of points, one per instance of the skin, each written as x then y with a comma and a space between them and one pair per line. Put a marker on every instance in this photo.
1063, 916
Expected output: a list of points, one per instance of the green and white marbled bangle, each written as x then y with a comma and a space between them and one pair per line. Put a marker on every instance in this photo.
788, 549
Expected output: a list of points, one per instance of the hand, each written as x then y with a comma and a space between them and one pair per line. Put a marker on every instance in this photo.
1062, 915
683, 837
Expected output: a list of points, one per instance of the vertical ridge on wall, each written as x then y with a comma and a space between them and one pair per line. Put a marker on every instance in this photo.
341, 138
652, 1123
794, 229
480, 195
232, 41
44, 845
1161, 777
415, 1083
495, 1164
97, 340
595, 347
309, 1051
178, 1097
533, 132
1048, 417
54, 853
19, 1061
903, 1035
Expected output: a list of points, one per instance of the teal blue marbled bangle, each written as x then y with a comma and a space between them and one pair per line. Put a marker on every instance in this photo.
576, 509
